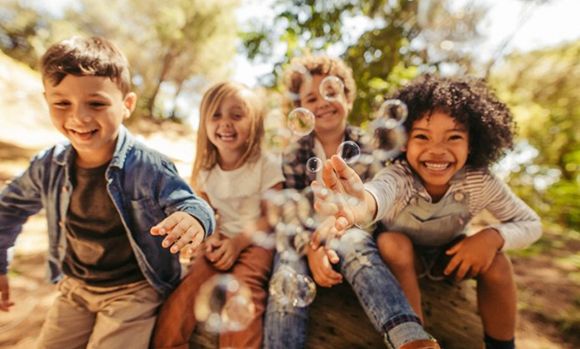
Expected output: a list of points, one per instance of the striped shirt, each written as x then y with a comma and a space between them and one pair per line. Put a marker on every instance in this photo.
395, 187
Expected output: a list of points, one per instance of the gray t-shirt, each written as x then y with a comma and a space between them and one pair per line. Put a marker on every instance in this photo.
98, 249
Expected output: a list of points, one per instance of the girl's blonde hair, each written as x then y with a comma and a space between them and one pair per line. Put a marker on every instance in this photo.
207, 154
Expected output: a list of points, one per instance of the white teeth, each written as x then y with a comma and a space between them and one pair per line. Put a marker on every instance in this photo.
227, 137
437, 166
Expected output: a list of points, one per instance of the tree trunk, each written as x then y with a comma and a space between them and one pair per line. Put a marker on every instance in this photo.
167, 61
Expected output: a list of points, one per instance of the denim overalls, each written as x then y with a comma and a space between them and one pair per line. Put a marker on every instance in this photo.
433, 226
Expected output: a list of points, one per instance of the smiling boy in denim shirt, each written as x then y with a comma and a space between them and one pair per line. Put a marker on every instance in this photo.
117, 212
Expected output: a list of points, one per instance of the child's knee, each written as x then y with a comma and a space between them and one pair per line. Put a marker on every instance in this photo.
499, 272
395, 248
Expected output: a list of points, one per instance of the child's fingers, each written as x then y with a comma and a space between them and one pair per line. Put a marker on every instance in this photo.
322, 232
342, 223
324, 202
167, 224
455, 248
224, 263
212, 244
453, 263
473, 272
215, 255
348, 178
329, 177
329, 275
462, 271
191, 236
176, 232
332, 256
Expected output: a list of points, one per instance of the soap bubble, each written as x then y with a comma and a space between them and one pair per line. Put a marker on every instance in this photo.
301, 121
349, 151
331, 87
224, 304
289, 287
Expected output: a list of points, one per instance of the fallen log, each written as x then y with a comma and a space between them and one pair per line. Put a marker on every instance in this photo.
338, 321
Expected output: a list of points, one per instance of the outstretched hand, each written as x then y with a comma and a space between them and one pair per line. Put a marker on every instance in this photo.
182, 231
342, 199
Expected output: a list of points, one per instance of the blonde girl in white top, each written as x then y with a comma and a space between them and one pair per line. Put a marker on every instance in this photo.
232, 173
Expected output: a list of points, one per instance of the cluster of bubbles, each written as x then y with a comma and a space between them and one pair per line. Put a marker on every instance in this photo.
291, 215
387, 131
224, 304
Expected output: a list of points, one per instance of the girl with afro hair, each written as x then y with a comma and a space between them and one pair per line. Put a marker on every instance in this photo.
457, 128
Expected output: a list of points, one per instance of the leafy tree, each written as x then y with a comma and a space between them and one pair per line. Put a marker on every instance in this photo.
168, 43
26, 31
178, 45
399, 41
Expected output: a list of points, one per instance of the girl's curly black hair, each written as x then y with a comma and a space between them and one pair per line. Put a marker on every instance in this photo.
470, 102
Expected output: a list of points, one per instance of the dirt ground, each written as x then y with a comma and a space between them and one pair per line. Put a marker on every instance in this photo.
547, 275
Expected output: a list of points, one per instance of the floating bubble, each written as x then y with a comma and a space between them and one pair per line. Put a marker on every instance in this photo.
287, 206
278, 139
224, 304
387, 142
349, 151
314, 164
301, 121
330, 88
289, 287
392, 113
285, 235
263, 239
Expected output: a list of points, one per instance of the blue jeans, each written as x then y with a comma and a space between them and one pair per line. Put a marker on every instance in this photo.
377, 289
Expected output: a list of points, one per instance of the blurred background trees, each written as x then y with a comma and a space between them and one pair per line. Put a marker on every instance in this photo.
178, 47
175, 47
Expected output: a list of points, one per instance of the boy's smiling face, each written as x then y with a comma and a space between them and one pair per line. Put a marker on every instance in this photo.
437, 149
89, 110
329, 115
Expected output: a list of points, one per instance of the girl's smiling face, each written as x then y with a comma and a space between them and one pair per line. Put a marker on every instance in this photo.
437, 149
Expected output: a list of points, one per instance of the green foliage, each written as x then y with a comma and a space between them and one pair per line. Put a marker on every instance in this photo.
169, 44
394, 47
26, 31
542, 89
174, 47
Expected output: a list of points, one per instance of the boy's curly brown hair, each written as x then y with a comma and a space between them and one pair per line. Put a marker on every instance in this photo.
317, 65
470, 102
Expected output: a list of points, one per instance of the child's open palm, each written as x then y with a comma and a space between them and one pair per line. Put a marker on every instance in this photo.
342, 197
181, 229
474, 254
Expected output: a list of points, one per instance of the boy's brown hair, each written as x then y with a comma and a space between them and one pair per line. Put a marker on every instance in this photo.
93, 56
318, 65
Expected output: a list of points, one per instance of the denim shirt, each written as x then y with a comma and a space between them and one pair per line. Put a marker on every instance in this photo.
144, 186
